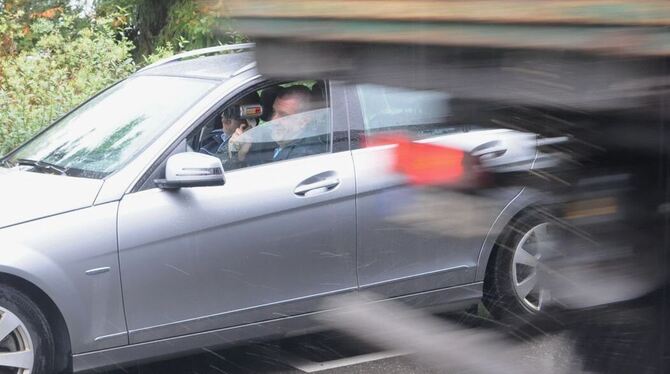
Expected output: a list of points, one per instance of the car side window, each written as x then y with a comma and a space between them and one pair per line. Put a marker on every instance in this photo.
268, 124
420, 114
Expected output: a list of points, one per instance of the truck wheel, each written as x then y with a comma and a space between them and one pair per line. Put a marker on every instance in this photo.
26, 340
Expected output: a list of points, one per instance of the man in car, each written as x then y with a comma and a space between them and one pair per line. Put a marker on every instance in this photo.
218, 142
288, 123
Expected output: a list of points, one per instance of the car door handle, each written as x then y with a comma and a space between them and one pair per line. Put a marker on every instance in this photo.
303, 189
489, 150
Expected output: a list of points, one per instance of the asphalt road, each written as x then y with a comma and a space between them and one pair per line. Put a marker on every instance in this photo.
335, 353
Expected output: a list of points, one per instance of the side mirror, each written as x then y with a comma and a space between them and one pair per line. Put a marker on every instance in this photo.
191, 169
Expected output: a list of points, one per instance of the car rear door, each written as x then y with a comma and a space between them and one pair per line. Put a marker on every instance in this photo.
416, 239
268, 244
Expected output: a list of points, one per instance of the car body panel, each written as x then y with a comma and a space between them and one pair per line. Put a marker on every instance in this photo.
455, 298
413, 239
526, 198
207, 254
54, 254
27, 196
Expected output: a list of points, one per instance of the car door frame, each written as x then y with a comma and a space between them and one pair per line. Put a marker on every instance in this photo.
340, 125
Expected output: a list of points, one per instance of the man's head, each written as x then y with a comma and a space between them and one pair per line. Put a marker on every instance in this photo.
229, 125
289, 102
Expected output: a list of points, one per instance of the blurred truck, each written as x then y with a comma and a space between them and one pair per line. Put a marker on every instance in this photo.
589, 77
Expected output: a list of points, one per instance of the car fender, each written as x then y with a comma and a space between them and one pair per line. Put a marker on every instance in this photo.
73, 258
524, 199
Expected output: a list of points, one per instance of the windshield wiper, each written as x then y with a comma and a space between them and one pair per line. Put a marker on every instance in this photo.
7, 164
42, 165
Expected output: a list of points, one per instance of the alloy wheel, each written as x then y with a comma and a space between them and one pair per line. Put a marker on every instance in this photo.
16, 348
525, 268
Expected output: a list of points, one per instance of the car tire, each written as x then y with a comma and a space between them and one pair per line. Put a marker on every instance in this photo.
511, 292
26, 330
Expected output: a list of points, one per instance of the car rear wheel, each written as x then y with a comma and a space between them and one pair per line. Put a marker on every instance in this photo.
512, 292
26, 341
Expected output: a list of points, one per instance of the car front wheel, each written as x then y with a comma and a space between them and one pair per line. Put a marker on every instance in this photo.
26, 341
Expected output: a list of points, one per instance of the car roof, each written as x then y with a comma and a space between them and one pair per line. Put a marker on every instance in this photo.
218, 67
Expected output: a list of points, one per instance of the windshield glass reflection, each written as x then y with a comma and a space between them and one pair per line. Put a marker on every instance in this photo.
110, 130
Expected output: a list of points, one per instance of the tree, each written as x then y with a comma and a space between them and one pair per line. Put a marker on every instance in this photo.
166, 24
151, 18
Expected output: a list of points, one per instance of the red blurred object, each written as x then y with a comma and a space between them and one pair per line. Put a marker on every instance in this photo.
428, 164
384, 139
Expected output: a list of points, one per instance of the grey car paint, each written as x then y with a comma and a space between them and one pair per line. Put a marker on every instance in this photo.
29, 196
411, 240
454, 298
215, 257
239, 258
85, 213
203, 261
54, 254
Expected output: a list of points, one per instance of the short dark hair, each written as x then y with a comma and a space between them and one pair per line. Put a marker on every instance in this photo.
299, 91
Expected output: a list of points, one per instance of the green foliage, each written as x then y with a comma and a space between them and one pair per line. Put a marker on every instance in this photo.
62, 69
12, 32
160, 53
105, 8
52, 57
29, 7
186, 27
177, 25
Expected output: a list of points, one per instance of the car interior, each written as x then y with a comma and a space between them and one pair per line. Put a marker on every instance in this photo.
252, 109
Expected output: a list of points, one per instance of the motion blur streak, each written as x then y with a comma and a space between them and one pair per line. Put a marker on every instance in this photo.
445, 346
587, 81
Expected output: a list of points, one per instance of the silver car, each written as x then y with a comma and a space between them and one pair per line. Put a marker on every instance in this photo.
123, 240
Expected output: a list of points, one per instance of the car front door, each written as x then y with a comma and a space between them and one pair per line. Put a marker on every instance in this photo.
270, 243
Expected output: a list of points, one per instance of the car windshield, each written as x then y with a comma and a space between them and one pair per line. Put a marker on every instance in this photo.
104, 134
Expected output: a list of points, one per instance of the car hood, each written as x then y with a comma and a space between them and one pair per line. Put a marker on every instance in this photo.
26, 196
